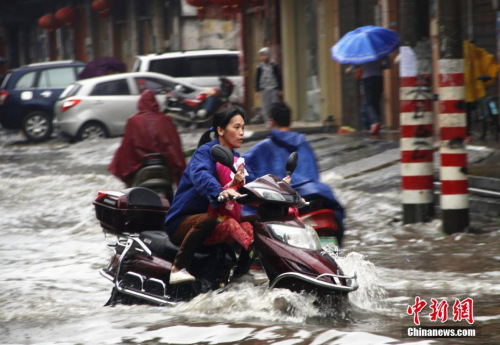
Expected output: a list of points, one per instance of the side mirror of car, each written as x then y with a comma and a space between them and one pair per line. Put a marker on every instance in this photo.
291, 163
224, 156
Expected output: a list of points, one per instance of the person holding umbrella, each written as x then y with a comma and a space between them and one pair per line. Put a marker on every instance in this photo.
368, 46
372, 84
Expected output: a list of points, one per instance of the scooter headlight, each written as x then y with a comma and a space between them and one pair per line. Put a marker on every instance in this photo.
301, 237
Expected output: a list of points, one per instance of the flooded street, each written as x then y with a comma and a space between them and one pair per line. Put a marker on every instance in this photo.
52, 248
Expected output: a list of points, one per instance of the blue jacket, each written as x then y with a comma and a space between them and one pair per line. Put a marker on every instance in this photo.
270, 156
199, 186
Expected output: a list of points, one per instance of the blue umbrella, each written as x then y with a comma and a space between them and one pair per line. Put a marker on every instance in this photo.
365, 44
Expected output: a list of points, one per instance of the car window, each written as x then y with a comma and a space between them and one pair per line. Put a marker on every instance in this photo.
137, 65
26, 81
154, 84
174, 67
110, 88
56, 77
5, 81
204, 66
216, 65
79, 69
230, 65
197, 66
70, 91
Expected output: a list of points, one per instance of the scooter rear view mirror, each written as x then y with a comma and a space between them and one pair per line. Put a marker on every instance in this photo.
291, 163
224, 156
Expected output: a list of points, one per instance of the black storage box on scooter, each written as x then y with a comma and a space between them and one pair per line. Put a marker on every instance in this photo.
132, 210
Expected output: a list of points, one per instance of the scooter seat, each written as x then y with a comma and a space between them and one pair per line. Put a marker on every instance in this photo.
140, 196
161, 245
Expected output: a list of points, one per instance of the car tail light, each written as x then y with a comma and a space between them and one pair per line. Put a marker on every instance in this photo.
70, 104
3, 96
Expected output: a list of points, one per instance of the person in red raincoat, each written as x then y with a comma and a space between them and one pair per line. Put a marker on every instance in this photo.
148, 131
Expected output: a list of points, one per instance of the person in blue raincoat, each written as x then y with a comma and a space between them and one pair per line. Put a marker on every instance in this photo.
188, 222
270, 156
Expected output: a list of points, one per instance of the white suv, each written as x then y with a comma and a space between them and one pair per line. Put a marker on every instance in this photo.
197, 67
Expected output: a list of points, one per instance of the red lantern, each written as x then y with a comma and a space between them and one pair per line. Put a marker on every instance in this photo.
48, 22
229, 3
202, 12
198, 3
65, 15
230, 7
101, 6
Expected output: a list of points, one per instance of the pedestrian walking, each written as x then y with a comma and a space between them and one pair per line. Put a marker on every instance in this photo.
268, 82
372, 88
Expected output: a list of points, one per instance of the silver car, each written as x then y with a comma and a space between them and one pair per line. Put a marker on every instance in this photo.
100, 107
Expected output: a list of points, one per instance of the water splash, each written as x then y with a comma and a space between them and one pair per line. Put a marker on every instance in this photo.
371, 292
245, 302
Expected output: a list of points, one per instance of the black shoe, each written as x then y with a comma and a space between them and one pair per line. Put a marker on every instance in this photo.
244, 261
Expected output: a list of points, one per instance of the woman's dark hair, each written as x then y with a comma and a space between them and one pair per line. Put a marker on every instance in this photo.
222, 117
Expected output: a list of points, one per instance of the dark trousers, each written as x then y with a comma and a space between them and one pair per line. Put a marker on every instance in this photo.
373, 88
190, 235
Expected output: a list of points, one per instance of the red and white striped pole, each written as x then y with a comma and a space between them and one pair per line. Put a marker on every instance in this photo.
416, 141
453, 129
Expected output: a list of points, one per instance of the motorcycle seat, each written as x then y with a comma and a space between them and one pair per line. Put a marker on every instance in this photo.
161, 245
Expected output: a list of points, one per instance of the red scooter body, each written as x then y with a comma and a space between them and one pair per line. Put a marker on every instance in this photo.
290, 251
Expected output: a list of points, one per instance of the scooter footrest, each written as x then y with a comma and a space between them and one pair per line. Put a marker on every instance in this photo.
155, 287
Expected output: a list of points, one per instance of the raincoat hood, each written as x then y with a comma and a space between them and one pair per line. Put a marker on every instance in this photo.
148, 103
288, 139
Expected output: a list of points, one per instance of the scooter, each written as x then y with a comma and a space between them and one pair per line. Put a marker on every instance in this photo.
290, 251
200, 109
154, 174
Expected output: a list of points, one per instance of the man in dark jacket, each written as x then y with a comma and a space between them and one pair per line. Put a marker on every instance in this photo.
148, 131
268, 82
270, 156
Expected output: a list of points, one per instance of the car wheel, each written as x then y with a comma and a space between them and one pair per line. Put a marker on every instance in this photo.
92, 130
37, 125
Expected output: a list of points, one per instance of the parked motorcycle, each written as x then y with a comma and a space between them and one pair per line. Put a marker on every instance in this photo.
200, 109
155, 175
290, 251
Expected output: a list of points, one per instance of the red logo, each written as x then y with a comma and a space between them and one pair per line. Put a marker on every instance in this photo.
416, 309
462, 310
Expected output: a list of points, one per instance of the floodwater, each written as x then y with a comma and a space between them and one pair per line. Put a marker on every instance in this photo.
52, 247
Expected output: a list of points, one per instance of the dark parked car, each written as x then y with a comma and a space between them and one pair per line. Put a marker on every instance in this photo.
28, 94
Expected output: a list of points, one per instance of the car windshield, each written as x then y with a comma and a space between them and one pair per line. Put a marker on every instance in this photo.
71, 90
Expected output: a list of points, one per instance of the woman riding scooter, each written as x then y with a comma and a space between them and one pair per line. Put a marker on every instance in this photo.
188, 222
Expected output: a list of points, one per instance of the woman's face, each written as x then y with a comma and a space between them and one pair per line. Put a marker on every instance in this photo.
232, 136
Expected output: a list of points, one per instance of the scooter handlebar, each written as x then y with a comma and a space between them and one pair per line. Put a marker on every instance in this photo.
222, 198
